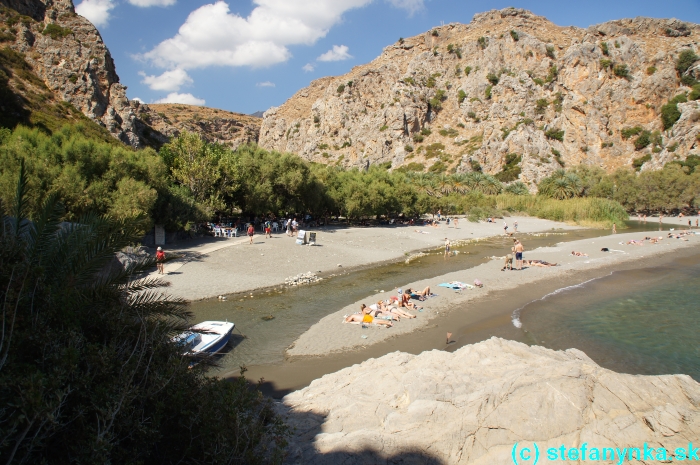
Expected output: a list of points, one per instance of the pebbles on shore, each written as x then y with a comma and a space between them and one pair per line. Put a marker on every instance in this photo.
301, 279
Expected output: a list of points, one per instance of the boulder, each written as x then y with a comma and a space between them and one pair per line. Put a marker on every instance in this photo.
473, 406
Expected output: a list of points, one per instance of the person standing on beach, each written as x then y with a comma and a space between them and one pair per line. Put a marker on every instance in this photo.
268, 229
455, 221
519, 254
251, 232
505, 228
515, 227
160, 259
614, 230
447, 247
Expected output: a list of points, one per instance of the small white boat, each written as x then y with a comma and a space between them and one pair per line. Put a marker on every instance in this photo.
206, 338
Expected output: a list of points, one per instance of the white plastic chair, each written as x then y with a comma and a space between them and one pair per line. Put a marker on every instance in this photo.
275, 226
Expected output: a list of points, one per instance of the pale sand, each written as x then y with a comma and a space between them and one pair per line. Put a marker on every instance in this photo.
213, 267
330, 335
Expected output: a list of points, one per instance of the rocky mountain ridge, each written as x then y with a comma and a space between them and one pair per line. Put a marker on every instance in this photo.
509, 87
63, 59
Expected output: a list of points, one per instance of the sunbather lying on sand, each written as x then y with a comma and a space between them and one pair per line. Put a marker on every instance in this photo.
365, 317
635, 242
405, 301
419, 295
377, 311
540, 263
394, 311
579, 254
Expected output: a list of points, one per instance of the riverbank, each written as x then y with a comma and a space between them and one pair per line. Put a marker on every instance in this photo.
212, 267
330, 335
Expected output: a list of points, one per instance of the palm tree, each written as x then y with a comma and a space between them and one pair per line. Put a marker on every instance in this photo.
561, 185
88, 369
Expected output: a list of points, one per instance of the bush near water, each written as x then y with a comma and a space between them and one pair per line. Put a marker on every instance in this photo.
191, 180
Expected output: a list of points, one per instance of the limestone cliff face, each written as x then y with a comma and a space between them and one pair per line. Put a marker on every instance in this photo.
76, 67
496, 86
68, 54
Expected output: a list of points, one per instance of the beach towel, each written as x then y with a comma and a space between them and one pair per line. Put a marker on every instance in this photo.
457, 285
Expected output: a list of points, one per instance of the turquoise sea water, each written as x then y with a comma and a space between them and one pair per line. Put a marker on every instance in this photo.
642, 321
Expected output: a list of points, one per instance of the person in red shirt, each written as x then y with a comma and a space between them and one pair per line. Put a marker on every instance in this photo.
160, 259
251, 232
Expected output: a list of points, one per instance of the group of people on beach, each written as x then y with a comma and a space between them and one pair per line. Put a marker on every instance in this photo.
385, 312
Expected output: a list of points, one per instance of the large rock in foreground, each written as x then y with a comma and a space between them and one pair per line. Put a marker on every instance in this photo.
473, 405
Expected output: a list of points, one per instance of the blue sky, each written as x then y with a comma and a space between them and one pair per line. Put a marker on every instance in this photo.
249, 55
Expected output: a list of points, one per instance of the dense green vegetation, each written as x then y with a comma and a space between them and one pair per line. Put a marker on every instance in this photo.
88, 369
190, 180
673, 188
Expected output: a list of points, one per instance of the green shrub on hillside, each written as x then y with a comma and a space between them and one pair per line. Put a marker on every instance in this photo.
638, 162
605, 63
550, 52
555, 134
511, 168
643, 140
651, 70
685, 60
541, 106
492, 78
467, 70
621, 71
670, 112
514, 35
56, 32
482, 42
626, 133
604, 48
461, 96
487, 92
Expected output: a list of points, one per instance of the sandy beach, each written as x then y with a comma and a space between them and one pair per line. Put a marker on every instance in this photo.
331, 336
215, 266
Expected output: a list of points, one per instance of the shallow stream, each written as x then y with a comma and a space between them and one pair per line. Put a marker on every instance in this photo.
268, 321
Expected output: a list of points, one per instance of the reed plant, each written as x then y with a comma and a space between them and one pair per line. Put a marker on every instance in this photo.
586, 211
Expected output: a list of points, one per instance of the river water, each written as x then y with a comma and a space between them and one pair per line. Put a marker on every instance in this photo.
269, 321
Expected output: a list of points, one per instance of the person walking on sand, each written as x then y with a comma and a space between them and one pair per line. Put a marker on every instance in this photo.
160, 259
447, 247
251, 232
515, 227
519, 249
505, 228
614, 230
268, 229
455, 222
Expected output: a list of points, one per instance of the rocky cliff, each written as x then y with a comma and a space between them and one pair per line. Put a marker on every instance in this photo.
59, 68
160, 122
475, 405
68, 54
465, 96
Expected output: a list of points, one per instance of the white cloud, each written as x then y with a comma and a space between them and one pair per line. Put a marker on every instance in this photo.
337, 53
147, 3
213, 36
265, 84
169, 80
308, 67
96, 11
136, 99
412, 6
187, 99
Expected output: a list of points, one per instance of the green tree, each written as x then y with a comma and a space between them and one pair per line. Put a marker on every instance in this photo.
88, 369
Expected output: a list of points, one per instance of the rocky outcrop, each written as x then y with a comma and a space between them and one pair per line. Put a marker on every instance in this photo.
473, 406
508, 82
158, 123
68, 54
